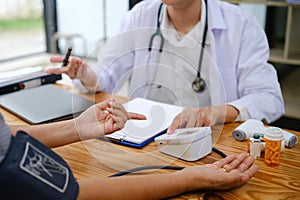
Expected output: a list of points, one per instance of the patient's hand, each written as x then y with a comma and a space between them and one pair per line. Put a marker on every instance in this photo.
103, 118
232, 171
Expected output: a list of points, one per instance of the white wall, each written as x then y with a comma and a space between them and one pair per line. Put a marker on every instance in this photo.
86, 18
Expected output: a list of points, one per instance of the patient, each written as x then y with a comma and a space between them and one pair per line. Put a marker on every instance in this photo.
34, 171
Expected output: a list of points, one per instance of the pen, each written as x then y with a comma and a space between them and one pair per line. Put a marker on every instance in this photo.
66, 59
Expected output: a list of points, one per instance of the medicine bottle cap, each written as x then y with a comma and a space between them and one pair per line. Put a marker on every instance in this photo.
256, 136
274, 133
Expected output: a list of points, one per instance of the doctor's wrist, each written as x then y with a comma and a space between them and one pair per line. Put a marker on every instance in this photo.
229, 113
225, 113
87, 77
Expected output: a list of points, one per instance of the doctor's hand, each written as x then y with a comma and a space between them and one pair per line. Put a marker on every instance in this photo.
103, 118
203, 116
74, 68
230, 172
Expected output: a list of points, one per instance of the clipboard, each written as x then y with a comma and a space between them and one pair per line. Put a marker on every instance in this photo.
132, 144
138, 133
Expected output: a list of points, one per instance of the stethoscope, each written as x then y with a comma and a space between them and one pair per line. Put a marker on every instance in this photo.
198, 84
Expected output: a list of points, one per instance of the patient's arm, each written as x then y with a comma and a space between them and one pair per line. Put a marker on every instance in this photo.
98, 120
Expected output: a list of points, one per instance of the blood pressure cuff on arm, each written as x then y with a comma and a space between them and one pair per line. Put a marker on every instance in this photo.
30, 170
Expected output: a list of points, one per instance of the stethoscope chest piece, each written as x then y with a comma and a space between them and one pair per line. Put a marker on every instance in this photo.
198, 85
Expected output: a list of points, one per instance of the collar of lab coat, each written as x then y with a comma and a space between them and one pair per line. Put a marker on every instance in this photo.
191, 39
215, 18
194, 37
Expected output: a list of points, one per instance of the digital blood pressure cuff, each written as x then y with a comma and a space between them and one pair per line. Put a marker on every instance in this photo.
30, 170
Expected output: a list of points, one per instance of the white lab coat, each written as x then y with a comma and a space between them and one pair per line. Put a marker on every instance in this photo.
236, 44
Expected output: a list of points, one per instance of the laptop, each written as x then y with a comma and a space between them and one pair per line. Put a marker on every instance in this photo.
44, 104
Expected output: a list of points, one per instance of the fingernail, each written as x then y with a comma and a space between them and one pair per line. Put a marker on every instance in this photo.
105, 111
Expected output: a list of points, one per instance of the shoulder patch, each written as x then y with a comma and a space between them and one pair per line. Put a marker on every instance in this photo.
44, 168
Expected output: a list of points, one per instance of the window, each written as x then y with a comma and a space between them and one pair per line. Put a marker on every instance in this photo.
30, 26
22, 29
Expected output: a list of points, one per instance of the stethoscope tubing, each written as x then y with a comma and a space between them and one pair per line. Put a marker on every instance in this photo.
158, 32
199, 84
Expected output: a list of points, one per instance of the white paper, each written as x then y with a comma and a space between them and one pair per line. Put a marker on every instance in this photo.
159, 118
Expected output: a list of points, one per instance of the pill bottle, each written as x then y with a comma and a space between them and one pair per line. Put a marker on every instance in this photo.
249, 140
255, 146
273, 138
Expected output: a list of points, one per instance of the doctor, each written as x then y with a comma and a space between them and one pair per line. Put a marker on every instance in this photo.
208, 56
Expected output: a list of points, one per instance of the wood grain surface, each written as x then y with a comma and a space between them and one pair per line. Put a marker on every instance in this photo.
99, 158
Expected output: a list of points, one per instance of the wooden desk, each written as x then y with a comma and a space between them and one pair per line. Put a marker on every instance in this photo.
96, 158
